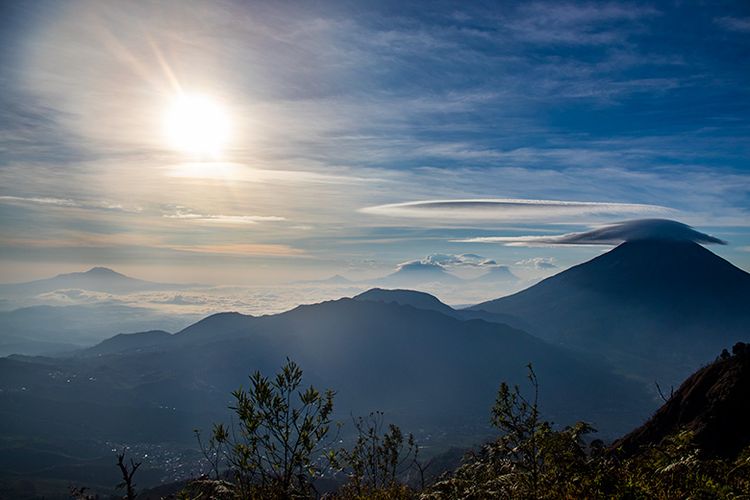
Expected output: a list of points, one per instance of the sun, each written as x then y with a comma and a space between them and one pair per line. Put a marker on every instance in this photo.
198, 125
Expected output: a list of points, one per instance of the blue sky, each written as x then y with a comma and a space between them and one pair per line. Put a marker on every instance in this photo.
344, 113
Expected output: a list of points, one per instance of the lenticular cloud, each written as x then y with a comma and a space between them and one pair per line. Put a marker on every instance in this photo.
612, 234
514, 210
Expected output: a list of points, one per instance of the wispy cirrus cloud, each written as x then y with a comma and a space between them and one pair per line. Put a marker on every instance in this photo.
577, 24
241, 249
68, 203
81, 240
510, 209
237, 172
741, 24
614, 234
186, 214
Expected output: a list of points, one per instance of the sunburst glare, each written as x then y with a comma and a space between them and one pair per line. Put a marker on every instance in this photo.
197, 124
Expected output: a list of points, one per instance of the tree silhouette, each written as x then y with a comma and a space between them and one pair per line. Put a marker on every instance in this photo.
273, 451
127, 471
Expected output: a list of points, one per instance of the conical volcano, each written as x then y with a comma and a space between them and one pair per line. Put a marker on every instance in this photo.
659, 305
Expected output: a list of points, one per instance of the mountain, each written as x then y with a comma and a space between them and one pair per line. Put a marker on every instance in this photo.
654, 308
424, 369
96, 279
416, 273
128, 343
713, 404
496, 274
336, 279
419, 300
422, 300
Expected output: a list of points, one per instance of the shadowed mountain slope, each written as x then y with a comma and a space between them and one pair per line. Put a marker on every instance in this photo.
128, 342
421, 367
422, 300
657, 308
713, 404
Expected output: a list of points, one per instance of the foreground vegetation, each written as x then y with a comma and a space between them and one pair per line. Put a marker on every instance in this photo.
285, 446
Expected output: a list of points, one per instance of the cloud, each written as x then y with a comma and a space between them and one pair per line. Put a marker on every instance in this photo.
222, 219
449, 260
181, 300
343, 112
509, 209
613, 234
80, 239
538, 263
237, 172
76, 296
415, 265
741, 24
459, 260
576, 24
241, 249
68, 203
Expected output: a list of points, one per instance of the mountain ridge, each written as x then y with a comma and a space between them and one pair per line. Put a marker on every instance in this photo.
414, 298
713, 404
636, 302
376, 355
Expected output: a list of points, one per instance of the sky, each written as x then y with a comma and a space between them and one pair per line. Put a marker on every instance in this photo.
356, 136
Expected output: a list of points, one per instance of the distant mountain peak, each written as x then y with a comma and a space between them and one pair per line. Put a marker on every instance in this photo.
97, 279
94, 272
417, 272
497, 273
104, 271
336, 279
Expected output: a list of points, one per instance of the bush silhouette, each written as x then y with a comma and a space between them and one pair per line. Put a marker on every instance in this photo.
377, 460
272, 451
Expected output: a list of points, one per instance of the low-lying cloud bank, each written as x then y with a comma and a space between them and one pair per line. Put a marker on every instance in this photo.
613, 234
